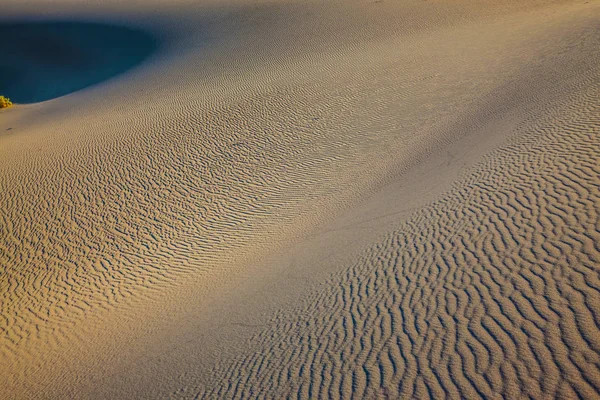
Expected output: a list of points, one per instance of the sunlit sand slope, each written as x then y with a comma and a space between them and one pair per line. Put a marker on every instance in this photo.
139, 210
492, 290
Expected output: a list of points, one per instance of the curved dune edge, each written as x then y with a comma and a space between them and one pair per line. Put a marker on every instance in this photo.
144, 203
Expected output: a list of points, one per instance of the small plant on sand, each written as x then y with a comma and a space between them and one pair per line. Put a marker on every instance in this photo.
5, 102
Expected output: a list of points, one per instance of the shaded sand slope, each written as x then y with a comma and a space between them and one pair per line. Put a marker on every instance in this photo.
130, 227
48, 59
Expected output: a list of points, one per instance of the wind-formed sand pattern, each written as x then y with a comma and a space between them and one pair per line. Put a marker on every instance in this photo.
281, 199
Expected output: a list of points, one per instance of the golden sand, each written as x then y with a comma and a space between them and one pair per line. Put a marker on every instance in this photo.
281, 199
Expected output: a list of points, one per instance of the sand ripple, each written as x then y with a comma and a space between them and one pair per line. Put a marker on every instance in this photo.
255, 125
490, 292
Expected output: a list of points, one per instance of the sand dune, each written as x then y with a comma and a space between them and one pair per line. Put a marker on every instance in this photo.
307, 200
490, 291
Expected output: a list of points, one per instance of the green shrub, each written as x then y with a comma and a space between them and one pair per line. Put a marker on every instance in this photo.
5, 102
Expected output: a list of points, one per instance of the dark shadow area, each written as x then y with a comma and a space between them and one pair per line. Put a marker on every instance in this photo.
43, 60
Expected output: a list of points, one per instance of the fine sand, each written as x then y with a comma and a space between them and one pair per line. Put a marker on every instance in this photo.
285, 199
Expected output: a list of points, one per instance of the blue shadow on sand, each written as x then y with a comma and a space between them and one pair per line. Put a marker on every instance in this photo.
43, 60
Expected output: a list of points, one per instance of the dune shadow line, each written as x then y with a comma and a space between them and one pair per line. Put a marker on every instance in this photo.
42, 60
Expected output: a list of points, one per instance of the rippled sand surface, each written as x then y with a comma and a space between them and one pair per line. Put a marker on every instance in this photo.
281, 199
